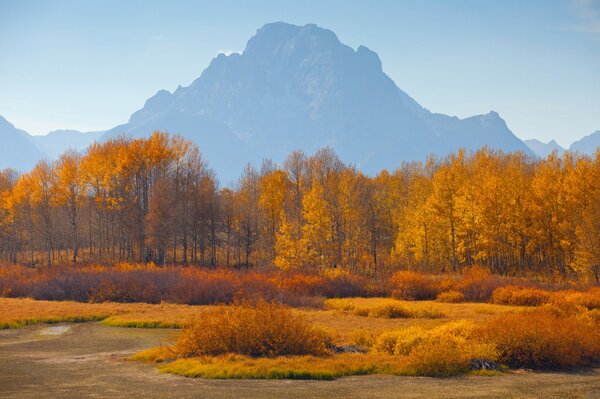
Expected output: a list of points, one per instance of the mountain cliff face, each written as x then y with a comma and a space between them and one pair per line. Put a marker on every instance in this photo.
292, 87
17, 149
300, 87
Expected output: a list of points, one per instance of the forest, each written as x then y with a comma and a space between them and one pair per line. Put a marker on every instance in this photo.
157, 200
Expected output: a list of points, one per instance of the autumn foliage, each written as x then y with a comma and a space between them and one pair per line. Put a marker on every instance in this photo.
251, 329
543, 339
156, 199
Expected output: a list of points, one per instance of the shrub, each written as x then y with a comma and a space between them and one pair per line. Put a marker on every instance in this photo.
478, 284
451, 296
520, 296
399, 342
402, 342
390, 311
443, 351
442, 357
589, 299
202, 288
254, 286
413, 286
543, 339
342, 285
260, 329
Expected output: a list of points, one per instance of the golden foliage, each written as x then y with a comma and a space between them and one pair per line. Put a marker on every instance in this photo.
543, 338
261, 329
452, 296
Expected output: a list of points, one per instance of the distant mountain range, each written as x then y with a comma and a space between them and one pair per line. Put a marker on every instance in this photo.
542, 149
294, 87
588, 145
17, 148
21, 151
57, 141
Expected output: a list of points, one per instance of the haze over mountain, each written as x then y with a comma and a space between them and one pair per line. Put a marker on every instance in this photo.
300, 87
294, 87
58, 141
588, 144
542, 149
17, 149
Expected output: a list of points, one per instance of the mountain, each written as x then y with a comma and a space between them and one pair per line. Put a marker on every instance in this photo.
58, 141
300, 87
587, 145
17, 149
542, 149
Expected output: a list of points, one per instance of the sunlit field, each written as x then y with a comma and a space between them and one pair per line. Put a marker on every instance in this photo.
255, 334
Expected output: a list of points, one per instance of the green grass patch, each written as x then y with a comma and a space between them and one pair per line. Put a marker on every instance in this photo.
116, 322
50, 320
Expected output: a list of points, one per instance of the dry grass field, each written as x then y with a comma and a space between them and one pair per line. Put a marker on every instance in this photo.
337, 316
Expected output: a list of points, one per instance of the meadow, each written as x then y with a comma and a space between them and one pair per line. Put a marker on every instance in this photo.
337, 325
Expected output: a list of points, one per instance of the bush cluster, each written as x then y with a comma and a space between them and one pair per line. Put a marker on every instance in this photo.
251, 329
185, 285
522, 296
441, 351
544, 338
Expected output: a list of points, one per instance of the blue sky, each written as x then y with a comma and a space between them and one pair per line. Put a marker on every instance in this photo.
88, 65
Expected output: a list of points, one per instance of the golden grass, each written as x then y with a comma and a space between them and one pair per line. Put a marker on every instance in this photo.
20, 312
283, 367
344, 326
232, 366
16, 313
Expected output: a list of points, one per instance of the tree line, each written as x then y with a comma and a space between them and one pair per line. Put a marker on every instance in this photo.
157, 200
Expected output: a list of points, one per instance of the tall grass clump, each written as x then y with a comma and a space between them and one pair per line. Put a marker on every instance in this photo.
251, 329
550, 337
439, 352
451, 296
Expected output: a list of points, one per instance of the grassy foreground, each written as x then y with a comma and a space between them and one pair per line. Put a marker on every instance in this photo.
394, 337
336, 317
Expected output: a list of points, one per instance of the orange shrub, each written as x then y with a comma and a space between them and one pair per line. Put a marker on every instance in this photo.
451, 296
520, 296
301, 284
260, 329
589, 299
543, 339
478, 284
203, 288
413, 286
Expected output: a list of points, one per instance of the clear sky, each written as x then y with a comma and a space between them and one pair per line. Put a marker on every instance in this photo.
88, 65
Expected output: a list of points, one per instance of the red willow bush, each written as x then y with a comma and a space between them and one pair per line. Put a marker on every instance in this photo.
186, 285
474, 284
199, 286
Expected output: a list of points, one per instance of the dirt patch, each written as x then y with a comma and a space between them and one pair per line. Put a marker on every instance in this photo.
89, 360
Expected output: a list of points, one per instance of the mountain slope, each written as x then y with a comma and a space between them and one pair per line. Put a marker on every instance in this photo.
587, 145
300, 87
542, 149
17, 149
58, 141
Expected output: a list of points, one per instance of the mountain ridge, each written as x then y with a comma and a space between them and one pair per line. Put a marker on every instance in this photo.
299, 87
301, 80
